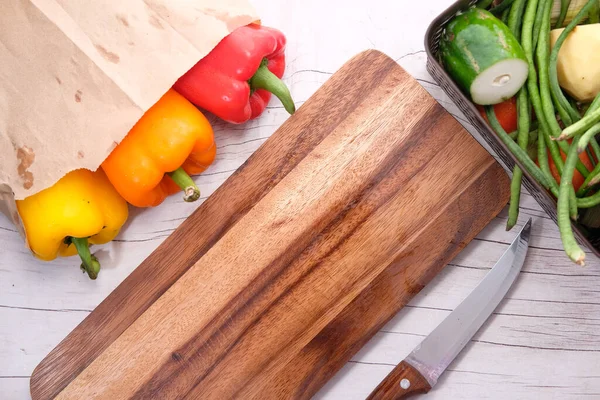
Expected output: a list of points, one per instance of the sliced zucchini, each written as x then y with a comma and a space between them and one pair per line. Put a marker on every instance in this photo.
483, 57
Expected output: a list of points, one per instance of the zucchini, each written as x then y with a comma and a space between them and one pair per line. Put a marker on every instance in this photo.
483, 57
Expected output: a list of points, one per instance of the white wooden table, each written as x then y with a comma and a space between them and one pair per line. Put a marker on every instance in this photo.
542, 343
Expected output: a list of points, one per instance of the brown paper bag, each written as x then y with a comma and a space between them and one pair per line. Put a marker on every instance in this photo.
76, 76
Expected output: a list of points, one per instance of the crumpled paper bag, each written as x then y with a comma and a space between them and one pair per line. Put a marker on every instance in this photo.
76, 75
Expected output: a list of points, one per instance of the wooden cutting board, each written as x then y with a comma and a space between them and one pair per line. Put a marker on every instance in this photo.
271, 285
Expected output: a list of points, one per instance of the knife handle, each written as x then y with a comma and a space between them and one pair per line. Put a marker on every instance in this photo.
402, 382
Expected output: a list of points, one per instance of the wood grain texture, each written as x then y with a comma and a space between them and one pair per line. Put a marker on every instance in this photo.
390, 291
404, 381
335, 213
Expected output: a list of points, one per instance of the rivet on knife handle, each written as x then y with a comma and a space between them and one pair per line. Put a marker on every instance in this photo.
403, 381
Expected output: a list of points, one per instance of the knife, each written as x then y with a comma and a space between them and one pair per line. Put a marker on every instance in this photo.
419, 372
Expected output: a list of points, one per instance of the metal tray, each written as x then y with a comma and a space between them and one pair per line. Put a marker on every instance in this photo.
587, 236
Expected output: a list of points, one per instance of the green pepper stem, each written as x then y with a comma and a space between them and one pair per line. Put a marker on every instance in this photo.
265, 79
185, 182
89, 262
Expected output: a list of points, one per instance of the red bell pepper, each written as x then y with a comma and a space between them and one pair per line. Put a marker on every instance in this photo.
236, 79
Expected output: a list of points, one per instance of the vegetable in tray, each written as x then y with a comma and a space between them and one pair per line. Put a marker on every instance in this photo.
537, 83
483, 57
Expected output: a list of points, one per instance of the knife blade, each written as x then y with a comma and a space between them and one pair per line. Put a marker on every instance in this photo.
420, 371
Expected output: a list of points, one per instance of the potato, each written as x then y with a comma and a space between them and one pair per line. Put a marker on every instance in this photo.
579, 61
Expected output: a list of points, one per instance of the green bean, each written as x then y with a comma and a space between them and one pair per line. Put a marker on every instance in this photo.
542, 158
589, 181
532, 86
542, 60
546, 98
570, 245
594, 14
524, 118
573, 212
533, 136
515, 18
515, 22
544, 131
554, 151
585, 193
532, 150
539, 14
590, 155
593, 177
594, 105
564, 114
504, 16
594, 154
589, 202
575, 107
515, 198
554, 85
529, 17
500, 8
580, 166
595, 180
587, 136
484, 3
596, 149
564, 7
565, 148
593, 142
533, 128
582, 125
517, 151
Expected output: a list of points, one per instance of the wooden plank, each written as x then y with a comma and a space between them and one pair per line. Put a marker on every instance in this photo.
314, 365
317, 218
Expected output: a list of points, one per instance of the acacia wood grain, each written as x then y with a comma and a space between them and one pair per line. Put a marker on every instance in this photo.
349, 331
344, 214
404, 381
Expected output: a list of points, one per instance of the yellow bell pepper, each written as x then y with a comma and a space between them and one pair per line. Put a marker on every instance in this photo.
82, 208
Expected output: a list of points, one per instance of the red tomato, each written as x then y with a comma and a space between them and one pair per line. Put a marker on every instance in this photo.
577, 177
506, 112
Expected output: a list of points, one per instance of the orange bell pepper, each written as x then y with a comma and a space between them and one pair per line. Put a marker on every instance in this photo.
171, 141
